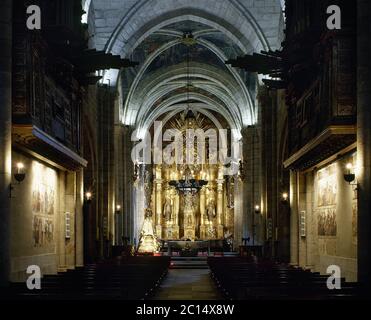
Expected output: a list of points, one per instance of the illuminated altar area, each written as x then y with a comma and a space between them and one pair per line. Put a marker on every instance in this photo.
202, 211
203, 215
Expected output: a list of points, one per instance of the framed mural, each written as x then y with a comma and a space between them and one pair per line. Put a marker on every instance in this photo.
327, 226
326, 201
43, 206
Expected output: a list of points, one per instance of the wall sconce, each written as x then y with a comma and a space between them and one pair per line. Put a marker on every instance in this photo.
88, 197
20, 175
257, 209
118, 208
245, 241
285, 197
349, 176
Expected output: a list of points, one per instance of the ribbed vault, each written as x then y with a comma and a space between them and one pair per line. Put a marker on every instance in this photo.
151, 32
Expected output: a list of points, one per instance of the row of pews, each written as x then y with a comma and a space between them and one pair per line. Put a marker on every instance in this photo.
239, 279
125, 278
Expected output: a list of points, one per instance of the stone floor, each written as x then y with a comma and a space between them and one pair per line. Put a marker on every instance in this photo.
187, 284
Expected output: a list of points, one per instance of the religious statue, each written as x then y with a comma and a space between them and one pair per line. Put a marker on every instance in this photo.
188, 210
211, 232
147, 188
210, 210
147, 241
168, 210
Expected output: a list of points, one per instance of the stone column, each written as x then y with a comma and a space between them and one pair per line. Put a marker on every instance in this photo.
61, 243
70, 206
302, 204
311, 229
176, 214
127, 189
364, 140
176, 209
5, 135
79, 218
158, 183
294, 230
220, 196
240, 220
202, 213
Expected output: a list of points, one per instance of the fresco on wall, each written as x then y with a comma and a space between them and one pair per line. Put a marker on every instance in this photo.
42, 231
326, 201
327, 222
43, 200
327, 186
43, 206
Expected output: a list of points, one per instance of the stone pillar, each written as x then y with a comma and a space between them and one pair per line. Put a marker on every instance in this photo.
61, 243
70, 206
302, 206
219, 212
127, 189
5, 136
294, 230
202, 213
250, 187
364, 141
158, 183
79, 218
311, 229
243, 193
175, 219
239, 219
176, 209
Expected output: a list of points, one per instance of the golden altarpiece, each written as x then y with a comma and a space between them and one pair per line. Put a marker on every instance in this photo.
205, 214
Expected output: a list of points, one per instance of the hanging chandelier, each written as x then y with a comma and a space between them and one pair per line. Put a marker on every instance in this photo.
188, 185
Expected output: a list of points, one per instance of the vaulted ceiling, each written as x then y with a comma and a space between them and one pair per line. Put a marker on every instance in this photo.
172, 75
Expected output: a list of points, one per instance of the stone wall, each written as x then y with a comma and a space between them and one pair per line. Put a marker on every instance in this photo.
39, 206
329, 204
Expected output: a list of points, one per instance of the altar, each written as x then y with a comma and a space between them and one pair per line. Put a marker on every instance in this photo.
193, 248
191, 201
204, 215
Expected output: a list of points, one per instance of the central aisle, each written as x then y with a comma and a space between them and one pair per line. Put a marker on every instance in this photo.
188, 284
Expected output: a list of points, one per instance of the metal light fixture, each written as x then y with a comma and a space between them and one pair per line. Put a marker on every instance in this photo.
88, 196
349, 176
257, 209
285, 197
245, 241
188, 185
20, 175
118, 208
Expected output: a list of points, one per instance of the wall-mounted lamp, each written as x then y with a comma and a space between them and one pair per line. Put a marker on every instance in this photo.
245, 241
257, 209
88, 197
349, 176
20, 174
285, 197
118, 208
